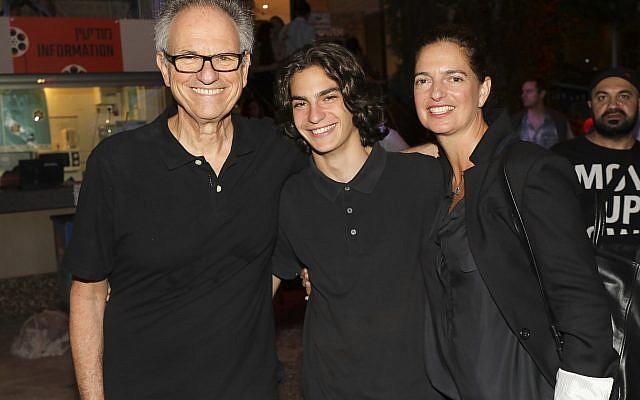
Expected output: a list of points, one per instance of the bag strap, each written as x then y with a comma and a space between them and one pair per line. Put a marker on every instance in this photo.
555, 332
600, 205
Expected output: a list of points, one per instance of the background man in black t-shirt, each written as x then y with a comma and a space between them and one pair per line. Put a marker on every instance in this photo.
610, 147
356, 217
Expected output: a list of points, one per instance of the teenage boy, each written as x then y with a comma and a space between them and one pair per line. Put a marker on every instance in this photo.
356, 217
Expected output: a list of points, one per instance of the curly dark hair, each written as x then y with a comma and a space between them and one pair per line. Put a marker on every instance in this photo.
343, 68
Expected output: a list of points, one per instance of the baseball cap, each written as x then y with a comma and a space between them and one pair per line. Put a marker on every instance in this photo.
619, 72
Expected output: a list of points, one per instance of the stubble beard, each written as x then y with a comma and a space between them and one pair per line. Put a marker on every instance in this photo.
623, 128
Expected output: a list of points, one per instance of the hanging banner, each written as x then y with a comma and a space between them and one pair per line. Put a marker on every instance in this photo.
67, 45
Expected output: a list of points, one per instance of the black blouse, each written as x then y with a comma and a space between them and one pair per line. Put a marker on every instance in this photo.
485, 359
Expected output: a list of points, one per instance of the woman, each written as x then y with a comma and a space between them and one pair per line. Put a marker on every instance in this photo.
488, 317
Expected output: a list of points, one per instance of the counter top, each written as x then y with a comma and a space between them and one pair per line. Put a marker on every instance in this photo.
15, 200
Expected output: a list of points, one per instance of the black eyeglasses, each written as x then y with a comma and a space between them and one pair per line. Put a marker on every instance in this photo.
192, 63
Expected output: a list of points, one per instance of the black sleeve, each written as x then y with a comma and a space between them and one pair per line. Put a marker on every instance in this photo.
284, 262
565, 257
89, 255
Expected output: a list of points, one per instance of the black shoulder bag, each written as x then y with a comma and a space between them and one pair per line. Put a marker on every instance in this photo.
553, 326
621, 278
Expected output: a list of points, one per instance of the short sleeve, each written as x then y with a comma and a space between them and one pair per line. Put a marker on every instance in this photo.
284, 263
89, 255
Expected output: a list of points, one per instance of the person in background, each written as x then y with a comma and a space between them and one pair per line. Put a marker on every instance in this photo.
393, 141
278, 43
263, 55
587, 126
356, 217
537, 123
353, 45
299, 32
608, 147
488, 317
179, 219
262, 72
252, 108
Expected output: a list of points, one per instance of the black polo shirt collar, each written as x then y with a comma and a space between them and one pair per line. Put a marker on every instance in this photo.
175, 156
364, 181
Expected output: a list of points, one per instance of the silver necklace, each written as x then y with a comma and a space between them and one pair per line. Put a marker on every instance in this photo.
458, 188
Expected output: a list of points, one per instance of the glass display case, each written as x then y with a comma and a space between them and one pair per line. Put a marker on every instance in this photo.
48, 126
71, 113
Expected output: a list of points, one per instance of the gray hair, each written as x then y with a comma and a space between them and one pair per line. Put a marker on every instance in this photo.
239, 12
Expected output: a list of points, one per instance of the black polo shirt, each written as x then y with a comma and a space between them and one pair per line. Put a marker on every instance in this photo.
363, 329
187, 255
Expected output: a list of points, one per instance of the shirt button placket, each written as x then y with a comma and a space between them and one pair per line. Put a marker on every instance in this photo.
349, 211
200, 163
213, 182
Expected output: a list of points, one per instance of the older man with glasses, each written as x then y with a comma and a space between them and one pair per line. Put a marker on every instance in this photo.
179, 219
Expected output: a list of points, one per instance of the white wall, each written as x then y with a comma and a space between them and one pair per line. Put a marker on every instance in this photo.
138, 48
27, 243
6, 60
